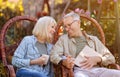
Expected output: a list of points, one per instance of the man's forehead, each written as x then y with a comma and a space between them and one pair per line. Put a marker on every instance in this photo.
68, 19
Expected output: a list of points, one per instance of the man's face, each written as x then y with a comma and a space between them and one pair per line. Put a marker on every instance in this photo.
71, 26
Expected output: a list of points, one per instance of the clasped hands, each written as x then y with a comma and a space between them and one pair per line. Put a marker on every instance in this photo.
86, 64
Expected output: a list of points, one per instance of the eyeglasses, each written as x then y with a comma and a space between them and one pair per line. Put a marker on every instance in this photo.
68, 25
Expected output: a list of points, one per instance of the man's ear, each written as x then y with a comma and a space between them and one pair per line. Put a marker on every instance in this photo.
79, 22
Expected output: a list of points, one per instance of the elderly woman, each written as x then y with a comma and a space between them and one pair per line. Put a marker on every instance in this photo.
31, 55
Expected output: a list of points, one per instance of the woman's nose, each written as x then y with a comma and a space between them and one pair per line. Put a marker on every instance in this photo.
54, 30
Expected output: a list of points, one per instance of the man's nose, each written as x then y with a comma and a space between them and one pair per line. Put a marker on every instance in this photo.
66, 29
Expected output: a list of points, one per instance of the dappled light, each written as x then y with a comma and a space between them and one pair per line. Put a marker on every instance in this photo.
105, 12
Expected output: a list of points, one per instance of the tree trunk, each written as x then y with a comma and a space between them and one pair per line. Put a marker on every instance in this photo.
89, 6
32, 7
65, 1
52, 6
117, 29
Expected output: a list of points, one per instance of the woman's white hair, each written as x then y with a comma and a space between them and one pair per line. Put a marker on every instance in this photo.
72, 14
40, 28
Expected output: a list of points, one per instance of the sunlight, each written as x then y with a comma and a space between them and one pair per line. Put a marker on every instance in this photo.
14, 1
58, 1
12, 4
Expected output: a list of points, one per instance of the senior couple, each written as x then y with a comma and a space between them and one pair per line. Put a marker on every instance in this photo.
30, 61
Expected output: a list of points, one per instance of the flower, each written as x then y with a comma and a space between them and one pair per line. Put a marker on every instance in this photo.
115, 0
99, 1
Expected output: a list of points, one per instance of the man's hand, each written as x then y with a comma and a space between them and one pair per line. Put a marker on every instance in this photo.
90, 62
68, 62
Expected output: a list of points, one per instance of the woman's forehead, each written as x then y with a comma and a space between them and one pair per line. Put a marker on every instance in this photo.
52, 24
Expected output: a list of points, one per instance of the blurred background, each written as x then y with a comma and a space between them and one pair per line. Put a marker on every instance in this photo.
106, 12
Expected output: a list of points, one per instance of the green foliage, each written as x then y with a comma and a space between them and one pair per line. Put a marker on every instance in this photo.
6, 14
2, 70
17, 31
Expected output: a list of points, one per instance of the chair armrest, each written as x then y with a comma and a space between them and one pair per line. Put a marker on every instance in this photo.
62, 71
67, 72
10, 71
115, 66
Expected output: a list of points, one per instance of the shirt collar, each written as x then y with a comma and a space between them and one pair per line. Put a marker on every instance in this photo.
88, 38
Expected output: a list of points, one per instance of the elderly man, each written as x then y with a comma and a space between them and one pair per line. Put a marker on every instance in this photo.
71, 44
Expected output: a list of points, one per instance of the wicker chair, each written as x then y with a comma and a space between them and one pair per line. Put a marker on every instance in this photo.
69, 72
7, 51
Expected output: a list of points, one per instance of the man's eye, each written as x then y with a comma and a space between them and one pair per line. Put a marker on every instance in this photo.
68, 24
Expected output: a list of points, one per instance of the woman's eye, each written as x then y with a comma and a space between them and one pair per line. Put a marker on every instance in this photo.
52, 26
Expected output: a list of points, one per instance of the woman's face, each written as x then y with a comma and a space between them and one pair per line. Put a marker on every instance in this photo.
51, 30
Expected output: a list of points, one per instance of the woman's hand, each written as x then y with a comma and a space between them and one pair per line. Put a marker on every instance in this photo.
39, 61
90, 62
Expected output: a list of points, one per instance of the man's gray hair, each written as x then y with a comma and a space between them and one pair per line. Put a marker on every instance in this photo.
72, 14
